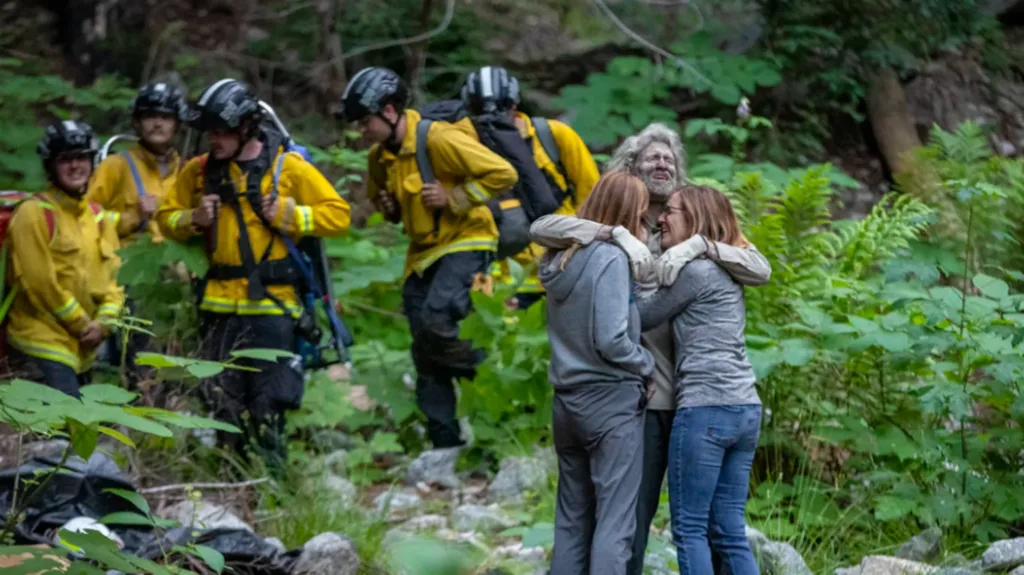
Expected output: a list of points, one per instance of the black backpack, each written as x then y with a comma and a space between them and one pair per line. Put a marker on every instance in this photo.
537, 195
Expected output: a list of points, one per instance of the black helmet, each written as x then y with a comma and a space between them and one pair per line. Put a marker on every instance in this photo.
67, 137
369, 91
490, 89
161, 98
226, 105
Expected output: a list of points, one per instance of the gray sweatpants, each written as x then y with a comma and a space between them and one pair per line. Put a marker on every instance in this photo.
598, 432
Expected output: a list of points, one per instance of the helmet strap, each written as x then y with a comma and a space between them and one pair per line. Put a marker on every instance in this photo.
392, 143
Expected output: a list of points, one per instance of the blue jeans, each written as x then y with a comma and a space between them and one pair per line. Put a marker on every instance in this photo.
710, 454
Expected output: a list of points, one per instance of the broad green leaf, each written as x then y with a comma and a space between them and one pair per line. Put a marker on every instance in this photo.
797, 352
383, 442
863, 325
210, 556
891, 440
192, 421
132, 497
264, 354
125, 518
205, 369
104, 393
888, 508
991, 287
158, 360
83, 437
896, 342
124, 439
539, 535
96, 546
123, 416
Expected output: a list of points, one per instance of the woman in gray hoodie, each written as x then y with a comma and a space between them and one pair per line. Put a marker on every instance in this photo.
718, 417
599, 370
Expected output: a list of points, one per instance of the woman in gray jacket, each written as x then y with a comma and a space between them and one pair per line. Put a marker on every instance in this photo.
718, 411
598, 369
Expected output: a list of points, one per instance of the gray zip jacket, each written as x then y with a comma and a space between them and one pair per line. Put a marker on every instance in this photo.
747, 266
593, 322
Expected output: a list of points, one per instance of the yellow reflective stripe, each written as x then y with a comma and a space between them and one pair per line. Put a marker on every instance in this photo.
305, 219
174, 221
509, 204
67, 310
45, 351
115, 217
247, 307
109, 309
427, 259
476, 192
99, 217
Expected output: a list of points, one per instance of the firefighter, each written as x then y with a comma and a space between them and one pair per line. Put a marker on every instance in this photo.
451, 230
62, 268
491, 90
130, 186
249, 297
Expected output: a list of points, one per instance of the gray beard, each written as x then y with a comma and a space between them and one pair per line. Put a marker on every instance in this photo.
659, 190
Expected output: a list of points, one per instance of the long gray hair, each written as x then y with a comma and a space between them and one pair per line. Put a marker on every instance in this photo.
628, 153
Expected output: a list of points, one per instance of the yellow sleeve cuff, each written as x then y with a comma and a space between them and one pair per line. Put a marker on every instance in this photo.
181, 221
304, 220
476, 192
109, 310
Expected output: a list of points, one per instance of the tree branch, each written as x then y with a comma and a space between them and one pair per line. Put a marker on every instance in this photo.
449, 13
177, 486
648, 44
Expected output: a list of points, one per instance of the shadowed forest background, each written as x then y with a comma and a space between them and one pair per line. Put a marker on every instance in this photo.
879, 170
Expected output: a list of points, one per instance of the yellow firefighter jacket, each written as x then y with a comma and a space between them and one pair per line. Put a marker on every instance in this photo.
309, 206
579, 167
114, 188
64, 281
457, 160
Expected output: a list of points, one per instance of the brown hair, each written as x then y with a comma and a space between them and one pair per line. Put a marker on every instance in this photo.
618, 199
709, 212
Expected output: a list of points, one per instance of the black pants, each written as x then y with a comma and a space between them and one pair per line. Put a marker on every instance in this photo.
49, 373
255, 402
657, 431
435, 303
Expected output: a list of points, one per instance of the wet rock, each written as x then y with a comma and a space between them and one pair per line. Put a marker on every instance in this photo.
480, 518
328, 554
205, 515
435, 467
778, 558
1004, 555
924, 547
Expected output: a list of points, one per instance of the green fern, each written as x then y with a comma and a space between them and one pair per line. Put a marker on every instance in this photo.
889, 228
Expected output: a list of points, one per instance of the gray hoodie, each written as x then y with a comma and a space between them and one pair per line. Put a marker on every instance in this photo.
593, 322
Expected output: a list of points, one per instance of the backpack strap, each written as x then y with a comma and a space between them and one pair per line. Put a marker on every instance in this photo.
138, 184
423, 164
547, 141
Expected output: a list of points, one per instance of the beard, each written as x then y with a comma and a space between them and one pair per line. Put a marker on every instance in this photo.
659, 189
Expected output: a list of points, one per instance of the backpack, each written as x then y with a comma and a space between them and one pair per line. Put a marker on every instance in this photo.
314, 285
537, 195
9, 201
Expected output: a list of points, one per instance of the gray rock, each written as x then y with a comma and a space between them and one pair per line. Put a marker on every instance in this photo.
956, 571
656, 563
923, 547
47, 448
397, 502
1018, 571
778, 558
956, 560
755, 539
480, 518
847, 571
517, 552
425, 522
516, 476
881, 565
276, 544
336, 462
328, 554
204, 515
1004, 555
436, 467
344, 489
328, 440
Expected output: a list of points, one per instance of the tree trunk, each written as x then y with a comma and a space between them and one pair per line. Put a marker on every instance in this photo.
890, 119
416, 56
330, 77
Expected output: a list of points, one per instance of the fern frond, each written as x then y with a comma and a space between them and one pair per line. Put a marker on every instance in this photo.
965, 146
889, 228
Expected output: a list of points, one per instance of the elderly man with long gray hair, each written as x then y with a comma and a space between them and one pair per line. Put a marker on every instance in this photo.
655, 155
